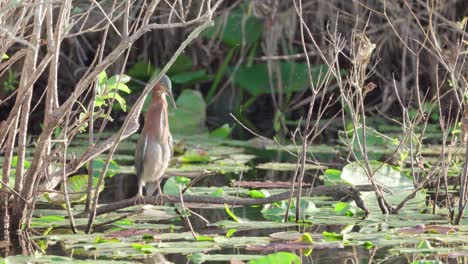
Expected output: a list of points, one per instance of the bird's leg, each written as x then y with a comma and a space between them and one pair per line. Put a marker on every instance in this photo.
140, 199
160, 194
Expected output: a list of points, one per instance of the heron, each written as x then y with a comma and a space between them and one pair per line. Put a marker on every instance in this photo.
154, 149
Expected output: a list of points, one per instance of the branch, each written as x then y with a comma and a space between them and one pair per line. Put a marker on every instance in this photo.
132, 124
343, 191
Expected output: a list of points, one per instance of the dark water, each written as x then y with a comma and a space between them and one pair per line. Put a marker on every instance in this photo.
124, 186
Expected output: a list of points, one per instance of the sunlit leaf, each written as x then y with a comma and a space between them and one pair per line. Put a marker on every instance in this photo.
14, 162
102, 80
256, 194
231, 214
383, 174
195, 156
332, 236
221, 132
77, 188
171, 187
114, 81
124, 88
98, 166
332, 177
118, 98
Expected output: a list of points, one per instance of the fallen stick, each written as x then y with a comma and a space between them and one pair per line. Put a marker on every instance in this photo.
339, 192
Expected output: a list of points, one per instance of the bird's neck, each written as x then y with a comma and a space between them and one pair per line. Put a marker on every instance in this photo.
156, 121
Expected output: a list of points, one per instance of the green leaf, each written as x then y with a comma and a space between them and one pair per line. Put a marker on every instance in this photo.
125, 222
77, 188
81, 117
332, 236
102, 80
219, 193
142, 70
276, 211
195, 156
14, 162
368, 245
277, 120
143, 247
98, 102
294, 77
279, 257
425, 244
190, 77
171, 187
306, 237
230, 213
221, 132
183, 63
204, 238
190, 115
46, 220
118, 98
124, 88
341, 208
233, 31
99, 240
256, 194
5, 56
383, 174
98, 166
116, 80
332, 177
231, 232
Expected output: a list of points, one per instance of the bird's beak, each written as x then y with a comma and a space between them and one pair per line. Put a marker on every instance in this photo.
171, 98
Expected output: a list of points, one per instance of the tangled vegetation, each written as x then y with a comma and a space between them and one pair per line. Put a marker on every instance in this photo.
304, 130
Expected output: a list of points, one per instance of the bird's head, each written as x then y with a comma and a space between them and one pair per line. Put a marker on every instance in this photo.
164, 87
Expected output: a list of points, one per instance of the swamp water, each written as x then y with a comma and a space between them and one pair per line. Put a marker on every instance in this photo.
330, 230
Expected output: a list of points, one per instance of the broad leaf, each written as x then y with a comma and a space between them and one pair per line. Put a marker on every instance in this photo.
190, 77
233, 30
189, 117
294, 77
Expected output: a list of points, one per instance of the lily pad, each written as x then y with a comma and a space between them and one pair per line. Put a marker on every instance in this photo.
77, 187
190, 116
383, 174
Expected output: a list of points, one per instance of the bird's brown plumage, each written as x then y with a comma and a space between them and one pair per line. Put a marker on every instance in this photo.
154, 147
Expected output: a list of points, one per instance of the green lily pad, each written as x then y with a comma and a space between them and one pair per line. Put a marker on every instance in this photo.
77, 187
383, 174
190, 116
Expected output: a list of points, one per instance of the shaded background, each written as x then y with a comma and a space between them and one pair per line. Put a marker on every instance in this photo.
227, 65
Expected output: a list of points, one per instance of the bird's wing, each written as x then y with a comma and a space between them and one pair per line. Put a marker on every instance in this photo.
140, 154
171, 145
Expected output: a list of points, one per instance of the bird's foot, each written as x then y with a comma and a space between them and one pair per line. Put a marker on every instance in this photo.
140, 200
160, 198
